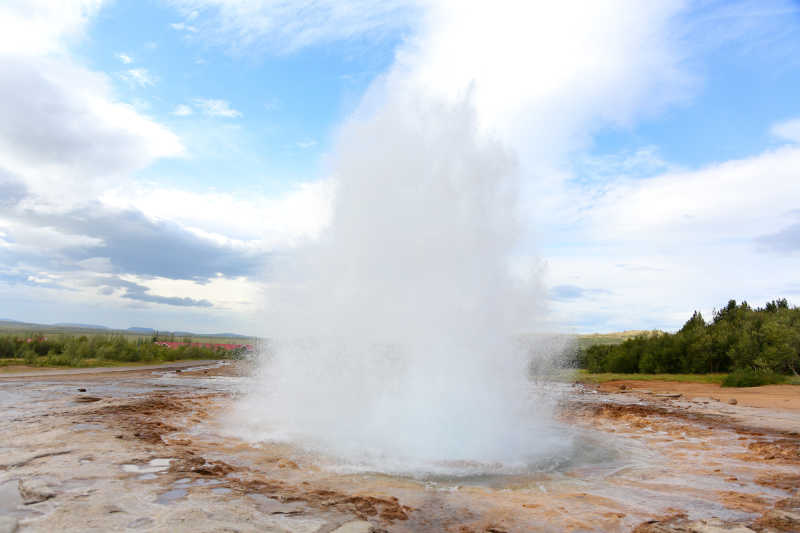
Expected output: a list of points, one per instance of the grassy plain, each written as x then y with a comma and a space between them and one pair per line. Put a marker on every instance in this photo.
584, 376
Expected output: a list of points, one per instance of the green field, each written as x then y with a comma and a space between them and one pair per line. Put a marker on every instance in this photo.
584, 376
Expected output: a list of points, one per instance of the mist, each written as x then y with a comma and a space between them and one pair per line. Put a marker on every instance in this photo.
399, 339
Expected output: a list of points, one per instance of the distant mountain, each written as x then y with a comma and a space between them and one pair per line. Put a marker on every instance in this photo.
149, 331
77, 325
190, 334
12, 322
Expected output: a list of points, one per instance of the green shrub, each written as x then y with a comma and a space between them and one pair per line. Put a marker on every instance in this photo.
751, 378
60, 360
29, 356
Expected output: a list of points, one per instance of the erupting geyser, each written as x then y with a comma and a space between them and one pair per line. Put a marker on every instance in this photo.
396, 340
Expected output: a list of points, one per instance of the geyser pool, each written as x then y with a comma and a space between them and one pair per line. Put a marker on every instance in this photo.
396, 339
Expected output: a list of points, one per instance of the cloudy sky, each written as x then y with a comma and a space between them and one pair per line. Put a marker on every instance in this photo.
157, 156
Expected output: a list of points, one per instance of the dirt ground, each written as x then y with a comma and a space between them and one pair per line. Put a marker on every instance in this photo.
146, 451
783, 397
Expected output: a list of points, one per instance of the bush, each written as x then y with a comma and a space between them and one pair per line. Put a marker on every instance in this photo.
751, 378
29, 356
766, 340
64, 350
60, 360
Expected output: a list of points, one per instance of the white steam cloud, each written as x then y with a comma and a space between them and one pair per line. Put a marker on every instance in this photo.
400, 338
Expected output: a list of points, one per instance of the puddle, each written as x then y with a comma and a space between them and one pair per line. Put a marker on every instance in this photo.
221, 490
170, 496
145, 477
154, 466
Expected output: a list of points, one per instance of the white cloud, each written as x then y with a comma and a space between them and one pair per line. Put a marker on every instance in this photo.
64, 133
125, 58
38, 27
788, 130
139, 76
182, 110
236, 294
65, 137
216, 108
42, 240
82, 138
664, 245
546, 76
306, 143
738, 199
267, 222
288, 26
182, 26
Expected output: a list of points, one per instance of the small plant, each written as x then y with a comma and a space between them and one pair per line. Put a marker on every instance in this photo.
29, 356
752, 378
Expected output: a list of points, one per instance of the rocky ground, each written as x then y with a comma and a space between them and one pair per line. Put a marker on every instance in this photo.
144, 450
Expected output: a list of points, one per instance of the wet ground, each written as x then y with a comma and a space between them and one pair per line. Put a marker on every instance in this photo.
146, 450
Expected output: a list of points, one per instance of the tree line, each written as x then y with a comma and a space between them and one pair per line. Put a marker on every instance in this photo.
87, 350
739, 338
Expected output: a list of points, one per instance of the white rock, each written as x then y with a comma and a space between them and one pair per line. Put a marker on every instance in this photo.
35, 491
715, 525
8, 524
356, 526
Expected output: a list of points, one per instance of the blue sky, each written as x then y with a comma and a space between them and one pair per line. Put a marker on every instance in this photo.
742, 89
658, 147
288, 103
